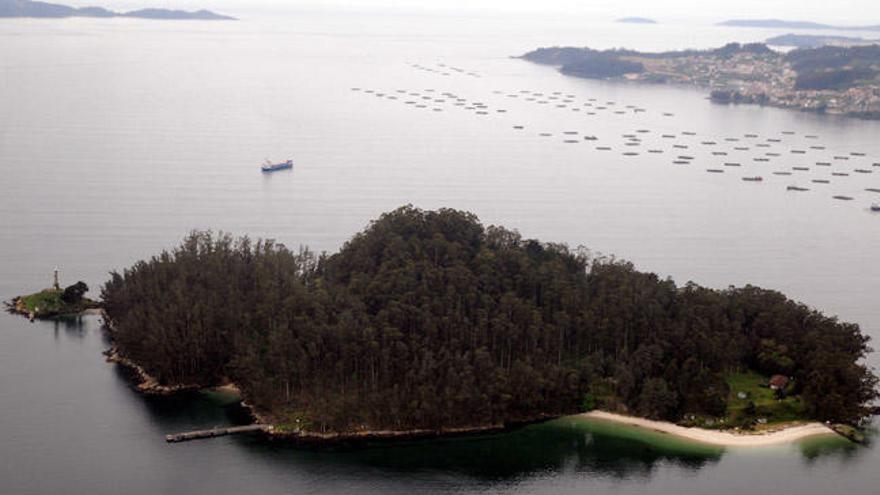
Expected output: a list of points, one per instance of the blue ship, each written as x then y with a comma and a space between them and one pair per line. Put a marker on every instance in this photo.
274, 167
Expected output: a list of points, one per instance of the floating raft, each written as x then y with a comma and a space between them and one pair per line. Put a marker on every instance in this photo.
214, 432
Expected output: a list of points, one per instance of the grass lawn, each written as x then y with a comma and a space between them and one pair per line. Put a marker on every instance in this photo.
47, 301
791, 408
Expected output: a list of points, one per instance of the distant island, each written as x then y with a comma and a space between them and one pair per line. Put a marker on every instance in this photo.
428, 322
636, 20
782, 24
27, 8
830, 79
816, 41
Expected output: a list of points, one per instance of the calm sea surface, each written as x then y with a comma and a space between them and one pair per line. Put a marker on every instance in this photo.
119, 136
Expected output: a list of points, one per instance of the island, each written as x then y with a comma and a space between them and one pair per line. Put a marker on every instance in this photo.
816, 41
54, 301
430, 323
28, 8
830, 79
635, 20
783, 24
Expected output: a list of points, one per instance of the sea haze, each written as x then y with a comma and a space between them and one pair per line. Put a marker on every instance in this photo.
117, 138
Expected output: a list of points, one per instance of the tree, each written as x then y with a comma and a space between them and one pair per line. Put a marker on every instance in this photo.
74, 293
657, 400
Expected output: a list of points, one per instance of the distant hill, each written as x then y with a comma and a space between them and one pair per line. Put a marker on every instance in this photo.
781, 24
636, 20
27, 8
816, 41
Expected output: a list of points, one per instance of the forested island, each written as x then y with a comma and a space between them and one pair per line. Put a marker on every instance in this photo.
817, 41
842, 80
430, 321
783, 24
28, 8
635, 20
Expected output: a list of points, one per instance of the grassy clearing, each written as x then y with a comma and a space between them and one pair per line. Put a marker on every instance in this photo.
46, 301
766, 405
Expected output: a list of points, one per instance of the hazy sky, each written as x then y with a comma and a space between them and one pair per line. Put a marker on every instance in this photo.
852, 11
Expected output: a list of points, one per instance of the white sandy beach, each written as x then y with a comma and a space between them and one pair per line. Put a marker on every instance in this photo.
721, 438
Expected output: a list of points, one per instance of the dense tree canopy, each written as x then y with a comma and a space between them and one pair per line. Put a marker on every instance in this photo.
429, 319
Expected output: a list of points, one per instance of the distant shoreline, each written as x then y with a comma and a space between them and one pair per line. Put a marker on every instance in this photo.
785, 434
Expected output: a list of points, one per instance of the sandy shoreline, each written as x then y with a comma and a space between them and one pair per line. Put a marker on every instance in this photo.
720, 438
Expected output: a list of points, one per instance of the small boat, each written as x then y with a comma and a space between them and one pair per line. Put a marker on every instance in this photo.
796, 188
873, 189
863, 171
518, 127
681, 162
667, 114
655, 151
821, 181
680, 146
857, 153
781, 173
788, 133
732, 164
731, 140
756, 178
875, 207
772, 154
843, 198
274, 167
771, 140
672, 136
841, 158
714, 170
798, 152
817, 147
689, 133
685, 157
840, 174
762, 159
571, 141
811, 136
603, 148
719, 153
802, 169
590, 138
630, 153
751, 135
742, 148
762, 145
570, 133
708, 143
823, 164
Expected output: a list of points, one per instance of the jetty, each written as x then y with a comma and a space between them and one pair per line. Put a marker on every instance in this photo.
215, 432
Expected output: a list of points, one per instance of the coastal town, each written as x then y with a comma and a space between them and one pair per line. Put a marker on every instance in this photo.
764, 78
814, 80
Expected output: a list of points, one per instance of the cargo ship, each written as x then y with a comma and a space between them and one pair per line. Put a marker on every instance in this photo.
274, 167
